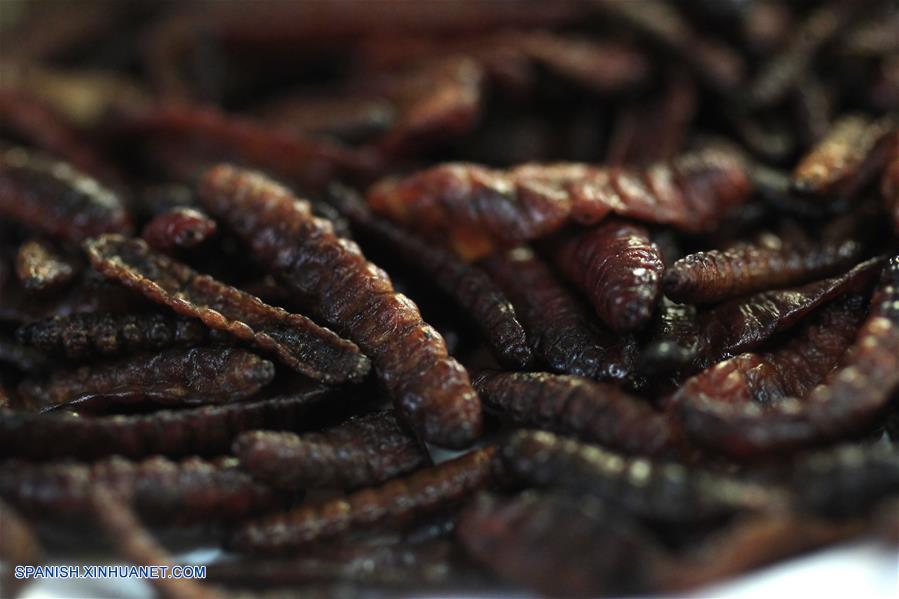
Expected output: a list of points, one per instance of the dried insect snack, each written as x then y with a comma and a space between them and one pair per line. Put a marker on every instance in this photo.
178, 229
174, 377
716, 275
161, 490
594, 412
478, 207
474, 291
430, 389
657, 490
363, 451
84, 337
742, 324
126, 533
852, 397
791, 370
206, 430
618, 267
55, 198
219, 136
394, 504
558, 327
559, 544
851, 153
40, 267
296, 340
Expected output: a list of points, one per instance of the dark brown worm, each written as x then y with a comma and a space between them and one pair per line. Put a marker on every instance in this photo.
37, 125
400, 565
296, 340
161, 490
854, 394
473, 289
618, 267
40, 267
178, 228
364, 451
397, 503
784, 70
853, 151
716, 275
792, 370
88, 336
135, 544
441, 99
18, 543
207, 430
430, 389
559, 545
478, 207
752, 541
846, 481
174, 377
663, 25
54, 198
742, 324
591, 411
306, 160
664, 491
558, 327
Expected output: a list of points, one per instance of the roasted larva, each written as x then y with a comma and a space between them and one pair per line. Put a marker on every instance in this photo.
294, 339
618, 267
364, 451
178, 228
40, 267
431, 390
173, 377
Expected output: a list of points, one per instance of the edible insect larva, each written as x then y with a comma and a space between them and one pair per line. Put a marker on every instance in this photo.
558, 544
179, 377
851, 153
558, 327
309, 161
784, 70
854, 394
439, 100
135, 544
207, 430
716, 275
18, 543
54, 198
664, 491
742, 324
483, 300
750, 542
161, 490
40, 267
39, 126
846, 481
364, 451
663, 25
591, 411
791, 370
618, 267
86, 336
479, 208
396, 503
430, 389
296, 340
178, 228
